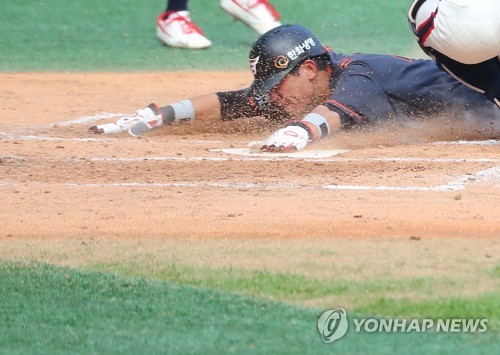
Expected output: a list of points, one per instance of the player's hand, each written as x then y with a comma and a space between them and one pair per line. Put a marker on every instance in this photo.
286, 139
146, 119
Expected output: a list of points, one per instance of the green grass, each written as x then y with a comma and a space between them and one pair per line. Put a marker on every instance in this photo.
60, 310
381, 297
53, 310
61, 35
483, 306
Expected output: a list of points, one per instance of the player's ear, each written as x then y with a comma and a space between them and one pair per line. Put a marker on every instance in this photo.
309, 68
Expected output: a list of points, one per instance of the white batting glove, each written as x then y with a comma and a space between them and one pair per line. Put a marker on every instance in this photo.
147, 119
149, 116
289, 138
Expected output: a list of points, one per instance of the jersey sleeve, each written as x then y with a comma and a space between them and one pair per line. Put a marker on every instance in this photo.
238, 104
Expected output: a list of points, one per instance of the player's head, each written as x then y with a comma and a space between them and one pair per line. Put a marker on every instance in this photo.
277, 52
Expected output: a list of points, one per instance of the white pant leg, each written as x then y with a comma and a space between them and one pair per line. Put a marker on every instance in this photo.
467, 31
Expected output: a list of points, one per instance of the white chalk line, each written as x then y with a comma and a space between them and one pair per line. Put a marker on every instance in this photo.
282, 158
86, 119
10, 136
458, 184
80, 121
461, 142
76, 121
122, 137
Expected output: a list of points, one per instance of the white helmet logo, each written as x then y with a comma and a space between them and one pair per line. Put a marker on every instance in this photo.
253, 64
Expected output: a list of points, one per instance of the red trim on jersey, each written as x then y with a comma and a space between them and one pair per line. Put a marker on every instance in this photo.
345, 108
406, 59
345, 62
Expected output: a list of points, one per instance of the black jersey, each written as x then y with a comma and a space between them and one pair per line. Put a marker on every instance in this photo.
368, 88
372, 87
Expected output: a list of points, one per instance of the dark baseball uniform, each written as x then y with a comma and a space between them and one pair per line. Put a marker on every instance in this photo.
372, 87
367, 88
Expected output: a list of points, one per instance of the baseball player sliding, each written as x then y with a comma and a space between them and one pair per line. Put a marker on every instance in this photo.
463, 36
318, 91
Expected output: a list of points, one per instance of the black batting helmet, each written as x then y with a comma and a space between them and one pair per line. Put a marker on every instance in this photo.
277, 52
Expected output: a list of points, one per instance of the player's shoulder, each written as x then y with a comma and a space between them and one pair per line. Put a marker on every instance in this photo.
393, 64
346, 63
367, 60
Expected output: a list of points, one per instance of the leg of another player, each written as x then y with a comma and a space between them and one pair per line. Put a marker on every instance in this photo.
177, 5
175, 28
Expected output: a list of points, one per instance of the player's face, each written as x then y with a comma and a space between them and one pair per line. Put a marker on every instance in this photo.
294, 94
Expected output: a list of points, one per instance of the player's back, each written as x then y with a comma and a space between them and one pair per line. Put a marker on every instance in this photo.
411, 85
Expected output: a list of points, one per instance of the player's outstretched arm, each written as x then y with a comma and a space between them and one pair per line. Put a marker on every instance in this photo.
204, 107
296, 135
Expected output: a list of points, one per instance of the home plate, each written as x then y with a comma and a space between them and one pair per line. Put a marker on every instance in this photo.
310, 154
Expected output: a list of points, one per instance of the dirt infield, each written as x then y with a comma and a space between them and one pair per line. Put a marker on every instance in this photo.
60, 183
